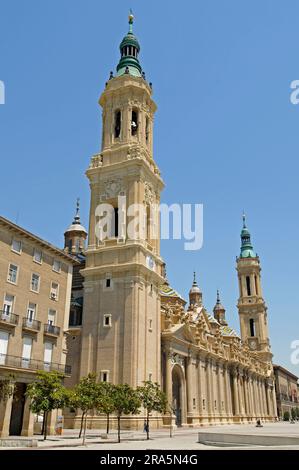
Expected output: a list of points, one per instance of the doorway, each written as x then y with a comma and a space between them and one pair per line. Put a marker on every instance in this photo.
17, 410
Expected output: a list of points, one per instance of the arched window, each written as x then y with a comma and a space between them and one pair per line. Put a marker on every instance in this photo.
117, 124
134, 122
252, 327
248, 287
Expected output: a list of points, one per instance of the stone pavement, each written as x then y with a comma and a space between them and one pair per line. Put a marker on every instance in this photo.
183, 438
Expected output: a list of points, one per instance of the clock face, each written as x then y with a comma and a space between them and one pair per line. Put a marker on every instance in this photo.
150, 262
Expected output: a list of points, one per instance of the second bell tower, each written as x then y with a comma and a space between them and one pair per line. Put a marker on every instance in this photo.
121, 327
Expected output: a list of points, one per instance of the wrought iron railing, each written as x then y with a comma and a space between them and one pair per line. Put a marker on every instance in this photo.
31, 324
8, 317
52, 329
32, 364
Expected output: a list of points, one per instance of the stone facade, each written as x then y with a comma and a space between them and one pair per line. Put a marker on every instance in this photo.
35, 291
287, 394
135, 326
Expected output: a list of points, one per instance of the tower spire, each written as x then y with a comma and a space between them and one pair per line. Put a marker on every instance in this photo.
195, 294
131, 21
77, 216
129, 50
219, 311
246, 245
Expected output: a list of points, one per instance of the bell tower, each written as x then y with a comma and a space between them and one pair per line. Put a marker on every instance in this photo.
121, 329
251, 305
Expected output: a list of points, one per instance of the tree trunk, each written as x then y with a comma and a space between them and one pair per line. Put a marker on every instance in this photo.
84, 431
107, 430
81, 426
118, 426
45, 424
147, 425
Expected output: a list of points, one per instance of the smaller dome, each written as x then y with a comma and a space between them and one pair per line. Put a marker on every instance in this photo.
194, 289
76, 228
76, 224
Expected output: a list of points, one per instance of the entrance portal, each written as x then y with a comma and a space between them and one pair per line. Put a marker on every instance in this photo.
178, 395
17, 411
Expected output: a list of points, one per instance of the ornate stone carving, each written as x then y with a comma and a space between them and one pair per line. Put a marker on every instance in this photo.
177, 359
113, 187
149, 194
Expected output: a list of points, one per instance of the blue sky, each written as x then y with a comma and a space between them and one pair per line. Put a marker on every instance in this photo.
226, 134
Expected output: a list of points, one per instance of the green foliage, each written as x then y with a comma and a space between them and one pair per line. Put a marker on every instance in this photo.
152, 399
105, 402
105, 398
297, 412
6, 389
85, 397
286, 416
293, 413
85, 393
47, 392
125, 400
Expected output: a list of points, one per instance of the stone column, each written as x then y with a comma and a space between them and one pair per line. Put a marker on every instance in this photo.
265, 398
168, 377
203, 382
252, 282
219, 394
236, 394
261, 397
28, 420
269, 403
189, 387
246, 397
229, 391
199, 385
52, 418
209, 387
255, 397
273, 401
251, 398
5, 413
225, 391
240, 393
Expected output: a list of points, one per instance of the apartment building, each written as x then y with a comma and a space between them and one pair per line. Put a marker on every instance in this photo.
35, 292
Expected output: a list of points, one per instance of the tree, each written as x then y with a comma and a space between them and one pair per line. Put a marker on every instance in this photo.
85, 397
125, 401
293, 413
6, 388
152, 399
286, 416
105, 402
47, 393
297, 412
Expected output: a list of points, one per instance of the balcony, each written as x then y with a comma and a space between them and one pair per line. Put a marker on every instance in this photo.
31, 325
51, 330
16, 362
8, 319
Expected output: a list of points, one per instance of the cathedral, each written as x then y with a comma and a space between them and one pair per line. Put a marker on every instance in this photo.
127, 324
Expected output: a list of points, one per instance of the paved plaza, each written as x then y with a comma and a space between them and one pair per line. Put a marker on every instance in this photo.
183, 438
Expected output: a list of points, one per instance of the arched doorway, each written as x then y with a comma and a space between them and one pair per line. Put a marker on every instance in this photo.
178, 395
